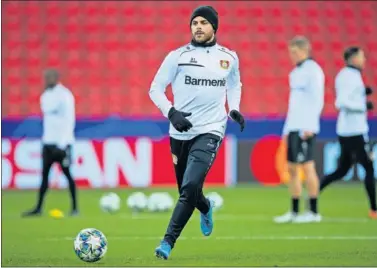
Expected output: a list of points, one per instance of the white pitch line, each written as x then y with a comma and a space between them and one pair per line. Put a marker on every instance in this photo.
232, 238
217, 217
233, 217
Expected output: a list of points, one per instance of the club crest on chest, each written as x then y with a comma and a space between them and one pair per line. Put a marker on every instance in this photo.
224, 64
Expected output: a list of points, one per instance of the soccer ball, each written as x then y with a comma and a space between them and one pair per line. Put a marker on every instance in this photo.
159, 202
137, 201
217, 199
110, 202
90, 245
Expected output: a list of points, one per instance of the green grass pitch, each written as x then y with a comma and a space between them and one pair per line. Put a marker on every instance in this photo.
244, 234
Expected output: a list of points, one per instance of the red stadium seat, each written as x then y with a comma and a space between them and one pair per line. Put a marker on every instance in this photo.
108, 52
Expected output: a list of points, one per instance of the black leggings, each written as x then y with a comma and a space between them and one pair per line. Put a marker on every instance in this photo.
354, 149
51, 154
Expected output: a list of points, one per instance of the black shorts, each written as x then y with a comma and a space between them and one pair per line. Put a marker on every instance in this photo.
299, 150
52, 154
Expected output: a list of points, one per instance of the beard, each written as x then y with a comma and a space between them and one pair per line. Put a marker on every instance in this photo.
202, 40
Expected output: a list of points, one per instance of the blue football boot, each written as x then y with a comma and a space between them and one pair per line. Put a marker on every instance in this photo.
163, 250
206, 221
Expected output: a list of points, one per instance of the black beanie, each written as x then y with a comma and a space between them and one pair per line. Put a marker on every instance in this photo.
207, 12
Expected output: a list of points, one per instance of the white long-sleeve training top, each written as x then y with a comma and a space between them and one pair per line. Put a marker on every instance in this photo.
202, 79
351, 103
306, 99
58, 108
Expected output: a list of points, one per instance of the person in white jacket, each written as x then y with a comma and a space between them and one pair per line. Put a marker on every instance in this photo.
352, 124
58, 109
307, 83
204, 75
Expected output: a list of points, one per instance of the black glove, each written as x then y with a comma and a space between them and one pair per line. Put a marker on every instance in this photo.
236, 116
370, 105
368, 90
178, 120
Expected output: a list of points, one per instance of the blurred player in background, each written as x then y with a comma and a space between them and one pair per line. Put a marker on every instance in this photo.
352, 124
203, 75
58, 108
307, 82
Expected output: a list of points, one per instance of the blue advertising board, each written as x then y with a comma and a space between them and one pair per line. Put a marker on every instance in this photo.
156, 128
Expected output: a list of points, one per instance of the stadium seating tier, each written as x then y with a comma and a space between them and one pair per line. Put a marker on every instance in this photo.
108, 52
